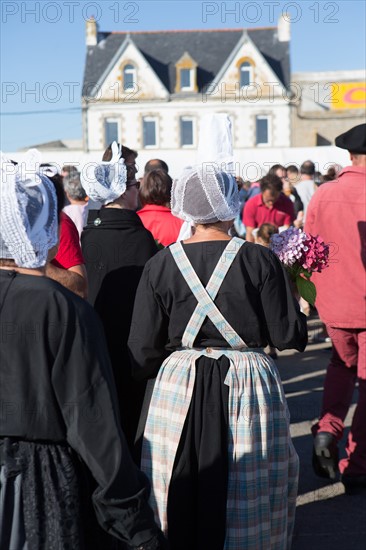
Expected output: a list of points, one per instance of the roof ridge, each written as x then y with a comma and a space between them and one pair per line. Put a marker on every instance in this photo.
190, 30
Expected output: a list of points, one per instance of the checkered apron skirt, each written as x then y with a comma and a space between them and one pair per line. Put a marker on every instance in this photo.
263, 464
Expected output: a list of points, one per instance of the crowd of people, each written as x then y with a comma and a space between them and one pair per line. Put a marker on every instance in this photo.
141, 405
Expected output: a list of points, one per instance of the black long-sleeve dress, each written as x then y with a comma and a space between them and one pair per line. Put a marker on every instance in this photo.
256, 300
116, 248
57, 406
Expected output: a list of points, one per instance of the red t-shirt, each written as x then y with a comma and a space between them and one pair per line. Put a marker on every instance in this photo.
256, 212
161, 223
69, 252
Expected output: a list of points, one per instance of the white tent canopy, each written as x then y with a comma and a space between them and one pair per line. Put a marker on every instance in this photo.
250, 164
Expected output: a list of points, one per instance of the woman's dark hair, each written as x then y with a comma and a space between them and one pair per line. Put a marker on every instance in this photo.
331, 175
156, 188
60, 193
272, 171
125, 153
129, 155
266, 231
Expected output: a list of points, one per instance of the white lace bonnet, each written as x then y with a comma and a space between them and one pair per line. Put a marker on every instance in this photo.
28, 212
106, 181
208, 192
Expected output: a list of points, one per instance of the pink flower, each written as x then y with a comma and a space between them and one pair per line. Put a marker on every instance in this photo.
296, 250
301, 254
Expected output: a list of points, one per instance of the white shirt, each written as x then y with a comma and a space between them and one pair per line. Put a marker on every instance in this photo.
78, 213
306, 190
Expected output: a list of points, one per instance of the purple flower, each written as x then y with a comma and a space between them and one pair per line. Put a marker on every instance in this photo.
296, 250
301, 254
288, 245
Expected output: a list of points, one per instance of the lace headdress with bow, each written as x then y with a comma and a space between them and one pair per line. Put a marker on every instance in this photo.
106, 181
28, 212
208, 192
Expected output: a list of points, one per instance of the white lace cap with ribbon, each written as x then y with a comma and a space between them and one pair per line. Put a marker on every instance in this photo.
106, 181
208, 192
28, 213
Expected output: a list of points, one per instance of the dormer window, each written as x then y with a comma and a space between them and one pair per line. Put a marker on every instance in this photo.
186, 79
129, 77
186, 74
245, 67
246, 74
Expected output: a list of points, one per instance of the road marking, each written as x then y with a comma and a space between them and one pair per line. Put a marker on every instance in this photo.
302, 377
323, 493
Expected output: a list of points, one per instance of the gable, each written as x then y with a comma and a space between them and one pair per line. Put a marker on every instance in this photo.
147, 84
209, 49
265, 83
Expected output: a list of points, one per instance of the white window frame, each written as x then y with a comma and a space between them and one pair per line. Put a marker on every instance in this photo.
191, 78
150, 118
269, 130
129, 69
186, 118
249, 69
107, 120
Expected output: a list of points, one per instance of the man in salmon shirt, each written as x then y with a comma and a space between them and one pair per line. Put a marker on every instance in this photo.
270, 206
337, 213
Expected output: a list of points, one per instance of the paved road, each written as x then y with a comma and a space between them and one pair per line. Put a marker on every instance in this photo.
326, 518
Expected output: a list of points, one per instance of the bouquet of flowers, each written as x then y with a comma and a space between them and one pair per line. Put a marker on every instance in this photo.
301, 254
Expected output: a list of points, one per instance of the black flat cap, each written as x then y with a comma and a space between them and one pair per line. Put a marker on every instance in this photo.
354, 140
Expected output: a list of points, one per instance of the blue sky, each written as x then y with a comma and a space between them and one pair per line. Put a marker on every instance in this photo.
43, 49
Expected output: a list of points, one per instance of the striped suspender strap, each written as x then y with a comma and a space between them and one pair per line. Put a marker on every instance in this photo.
206, 307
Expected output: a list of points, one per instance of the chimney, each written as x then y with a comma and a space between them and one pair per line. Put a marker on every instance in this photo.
283, 28
91, 32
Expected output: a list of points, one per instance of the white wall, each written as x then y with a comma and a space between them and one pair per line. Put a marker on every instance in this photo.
243, 115
250, 163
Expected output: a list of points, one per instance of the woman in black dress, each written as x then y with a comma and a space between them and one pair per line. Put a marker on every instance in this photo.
216, 445
64, 462
116, 247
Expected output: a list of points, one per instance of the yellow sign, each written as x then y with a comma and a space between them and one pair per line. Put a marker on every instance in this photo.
350, 95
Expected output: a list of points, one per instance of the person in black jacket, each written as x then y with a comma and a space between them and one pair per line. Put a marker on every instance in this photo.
64, 461
116, 247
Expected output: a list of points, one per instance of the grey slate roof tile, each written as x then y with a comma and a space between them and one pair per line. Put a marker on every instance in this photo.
210, 49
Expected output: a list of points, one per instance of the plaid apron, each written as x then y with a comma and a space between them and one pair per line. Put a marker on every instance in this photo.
263, 464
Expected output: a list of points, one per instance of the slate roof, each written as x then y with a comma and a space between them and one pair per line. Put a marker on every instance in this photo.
210, 49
